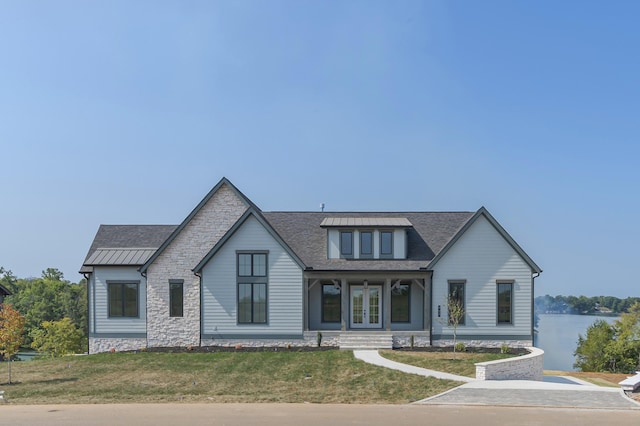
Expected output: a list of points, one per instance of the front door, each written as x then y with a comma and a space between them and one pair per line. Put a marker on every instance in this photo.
366, 302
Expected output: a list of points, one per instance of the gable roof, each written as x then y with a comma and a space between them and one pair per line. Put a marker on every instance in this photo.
4, 291
205, 200
125, 237
251, 212
429, 234
484, 212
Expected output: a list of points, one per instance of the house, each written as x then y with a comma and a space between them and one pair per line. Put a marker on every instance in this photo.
4, 292
233, 274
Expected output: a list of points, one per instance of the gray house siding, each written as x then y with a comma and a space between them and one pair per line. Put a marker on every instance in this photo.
100, 323
219, 288
482, 258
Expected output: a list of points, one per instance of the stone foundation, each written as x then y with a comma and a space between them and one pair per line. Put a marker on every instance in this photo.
485, 343
102, 344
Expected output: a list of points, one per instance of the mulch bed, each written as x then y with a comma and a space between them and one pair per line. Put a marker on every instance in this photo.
212, 349
478, 350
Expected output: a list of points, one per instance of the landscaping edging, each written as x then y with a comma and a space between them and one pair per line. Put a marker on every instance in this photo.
525, 367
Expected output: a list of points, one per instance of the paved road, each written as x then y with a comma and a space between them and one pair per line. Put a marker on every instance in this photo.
305, 414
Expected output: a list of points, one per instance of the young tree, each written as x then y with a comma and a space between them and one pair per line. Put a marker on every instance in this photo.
455, 309
57, 338
11, 333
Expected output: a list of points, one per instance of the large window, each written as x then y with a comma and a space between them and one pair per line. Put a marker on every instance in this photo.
386, 244
123, 299
346, 244
505, 293
176, 298
330, 303
366, 244
400, 303
455, 303
252, 288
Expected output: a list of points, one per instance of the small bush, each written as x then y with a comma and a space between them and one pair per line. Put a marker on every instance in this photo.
460, 347
505, 349
319, 338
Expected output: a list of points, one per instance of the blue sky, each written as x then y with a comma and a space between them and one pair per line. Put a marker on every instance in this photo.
129, 112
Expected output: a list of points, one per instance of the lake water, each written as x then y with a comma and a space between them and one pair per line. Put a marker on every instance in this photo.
558, 338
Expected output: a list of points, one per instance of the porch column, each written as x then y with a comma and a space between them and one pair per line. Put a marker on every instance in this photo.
427, 305
387, 304
344, 306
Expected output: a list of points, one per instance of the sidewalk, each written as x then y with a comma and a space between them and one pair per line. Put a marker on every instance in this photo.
554, 391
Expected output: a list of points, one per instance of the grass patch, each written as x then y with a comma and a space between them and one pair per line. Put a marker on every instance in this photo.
284, 376
461, 364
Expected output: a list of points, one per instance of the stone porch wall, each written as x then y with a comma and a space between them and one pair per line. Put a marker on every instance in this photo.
526, 367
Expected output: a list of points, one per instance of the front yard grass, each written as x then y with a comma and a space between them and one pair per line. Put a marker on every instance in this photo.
272, 376
460, 363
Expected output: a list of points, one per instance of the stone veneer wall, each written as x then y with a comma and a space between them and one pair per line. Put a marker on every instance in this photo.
103, 344
190, 246
526, 367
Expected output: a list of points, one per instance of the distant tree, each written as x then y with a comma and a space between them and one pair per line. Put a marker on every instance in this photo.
11, 333
613, 347
57, 338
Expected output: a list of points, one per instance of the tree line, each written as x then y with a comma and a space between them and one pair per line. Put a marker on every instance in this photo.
583, 305
51, 307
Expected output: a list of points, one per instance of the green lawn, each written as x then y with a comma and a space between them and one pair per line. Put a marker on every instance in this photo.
460, 363
284, 376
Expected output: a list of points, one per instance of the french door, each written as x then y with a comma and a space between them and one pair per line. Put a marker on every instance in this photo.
366, 306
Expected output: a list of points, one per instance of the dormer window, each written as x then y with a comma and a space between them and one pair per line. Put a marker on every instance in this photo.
346, 244
386, 244
366, 244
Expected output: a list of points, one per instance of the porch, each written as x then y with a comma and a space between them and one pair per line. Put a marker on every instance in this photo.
368, 309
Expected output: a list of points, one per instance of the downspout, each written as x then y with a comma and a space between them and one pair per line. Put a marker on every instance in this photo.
533, 313
199, 275
86, 277
431, 309
146, 305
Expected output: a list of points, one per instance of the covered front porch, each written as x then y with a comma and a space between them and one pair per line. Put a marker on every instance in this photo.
368, 309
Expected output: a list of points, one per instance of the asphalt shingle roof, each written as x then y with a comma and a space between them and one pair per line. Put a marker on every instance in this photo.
302, 231
430, 233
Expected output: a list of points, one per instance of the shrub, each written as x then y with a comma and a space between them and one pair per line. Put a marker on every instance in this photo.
505, 349
460, 347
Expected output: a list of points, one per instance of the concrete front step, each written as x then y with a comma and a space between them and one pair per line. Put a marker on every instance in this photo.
366, 341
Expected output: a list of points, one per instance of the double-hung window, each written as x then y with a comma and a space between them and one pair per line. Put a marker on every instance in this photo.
455, 302
252, 288
505, 297
123, 299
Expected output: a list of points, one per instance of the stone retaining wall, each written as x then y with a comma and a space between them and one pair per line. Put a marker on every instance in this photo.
525, 367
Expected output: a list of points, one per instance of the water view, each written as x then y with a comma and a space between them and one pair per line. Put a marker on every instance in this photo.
558, 337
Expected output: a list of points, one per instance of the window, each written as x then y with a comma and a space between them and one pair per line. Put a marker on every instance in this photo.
400, 303
386, 244
505, 293
331, 303
252, 264
252, 288
123, 299
252, 303
455, 302
346, 244
366, 244
176, 298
